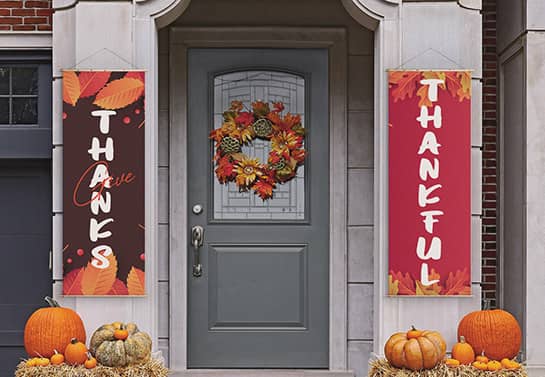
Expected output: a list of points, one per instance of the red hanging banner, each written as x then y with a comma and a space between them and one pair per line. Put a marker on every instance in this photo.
429, 183
103, 183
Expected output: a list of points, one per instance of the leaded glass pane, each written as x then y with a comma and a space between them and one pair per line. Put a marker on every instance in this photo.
288, 202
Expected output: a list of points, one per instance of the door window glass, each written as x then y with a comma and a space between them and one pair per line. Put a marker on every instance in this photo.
18, 95
288, 202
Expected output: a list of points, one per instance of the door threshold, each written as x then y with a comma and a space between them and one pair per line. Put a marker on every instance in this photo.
262, 373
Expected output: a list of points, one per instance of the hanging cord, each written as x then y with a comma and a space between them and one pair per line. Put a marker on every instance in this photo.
105, 49
423, 53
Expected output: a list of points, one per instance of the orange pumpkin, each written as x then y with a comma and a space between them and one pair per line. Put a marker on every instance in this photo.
423, 352
496, 332
452, 363
463, 352
482, 358
493, 365
91, 362
509, 364
50, 329
480, 365
42, 362
75, 352
121, 333
57, 358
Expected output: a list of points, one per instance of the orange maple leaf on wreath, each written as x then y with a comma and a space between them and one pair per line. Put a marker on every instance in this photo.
405, 83
405, 283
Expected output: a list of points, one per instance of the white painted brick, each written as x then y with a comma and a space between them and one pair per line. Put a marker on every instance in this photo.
360, 254
163, 138
360, 83
360, 196
360, 311
163, 256
360, 139
163, 310
163, 196
358, 357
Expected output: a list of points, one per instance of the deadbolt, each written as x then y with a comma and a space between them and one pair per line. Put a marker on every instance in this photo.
197, 209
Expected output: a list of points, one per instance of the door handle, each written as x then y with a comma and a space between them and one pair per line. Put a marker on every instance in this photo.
197, 238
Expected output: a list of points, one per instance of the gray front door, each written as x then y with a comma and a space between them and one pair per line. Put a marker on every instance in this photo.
25, 241
263, 298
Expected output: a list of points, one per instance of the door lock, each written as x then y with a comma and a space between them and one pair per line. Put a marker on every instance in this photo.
197, 238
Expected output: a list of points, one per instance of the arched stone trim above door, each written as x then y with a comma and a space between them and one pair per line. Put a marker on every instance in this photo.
367, 12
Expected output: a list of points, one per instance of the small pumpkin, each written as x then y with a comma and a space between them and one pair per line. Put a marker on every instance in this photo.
112, 352
50, 329
57, 358
452, 363
496, 332
413, 333
463, 352
75, 352
91, 362
422, 352
482, 358
42, 362
31, 362
493, 365
510, 364
121, 333
481, 365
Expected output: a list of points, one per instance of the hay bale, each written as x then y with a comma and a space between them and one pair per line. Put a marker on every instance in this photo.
152, 368
382, 368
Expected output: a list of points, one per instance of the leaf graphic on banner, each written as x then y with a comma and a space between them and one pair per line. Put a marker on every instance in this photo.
72, 282
393, 286
457, 283
92, 82
118, 289
136, 282
406, 82
99, 281
453, 83
430, 290
70, 87
405, 283
423, 91
139, 75
119, 93
465, 89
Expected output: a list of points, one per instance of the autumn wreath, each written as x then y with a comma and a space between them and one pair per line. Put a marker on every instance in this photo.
240, 127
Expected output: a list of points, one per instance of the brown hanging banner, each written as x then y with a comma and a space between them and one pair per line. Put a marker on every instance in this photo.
103, 182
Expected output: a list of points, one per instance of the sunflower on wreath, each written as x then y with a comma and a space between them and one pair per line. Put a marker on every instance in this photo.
240, 127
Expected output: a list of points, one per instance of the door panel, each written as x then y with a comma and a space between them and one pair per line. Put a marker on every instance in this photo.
262, 300
25, 239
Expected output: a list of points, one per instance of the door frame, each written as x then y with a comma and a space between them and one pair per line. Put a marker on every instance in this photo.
334, 39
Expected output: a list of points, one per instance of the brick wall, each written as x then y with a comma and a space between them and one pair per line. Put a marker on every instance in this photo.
25, 15
489, 151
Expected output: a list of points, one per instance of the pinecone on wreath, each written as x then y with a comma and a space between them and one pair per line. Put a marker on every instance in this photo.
230, 145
